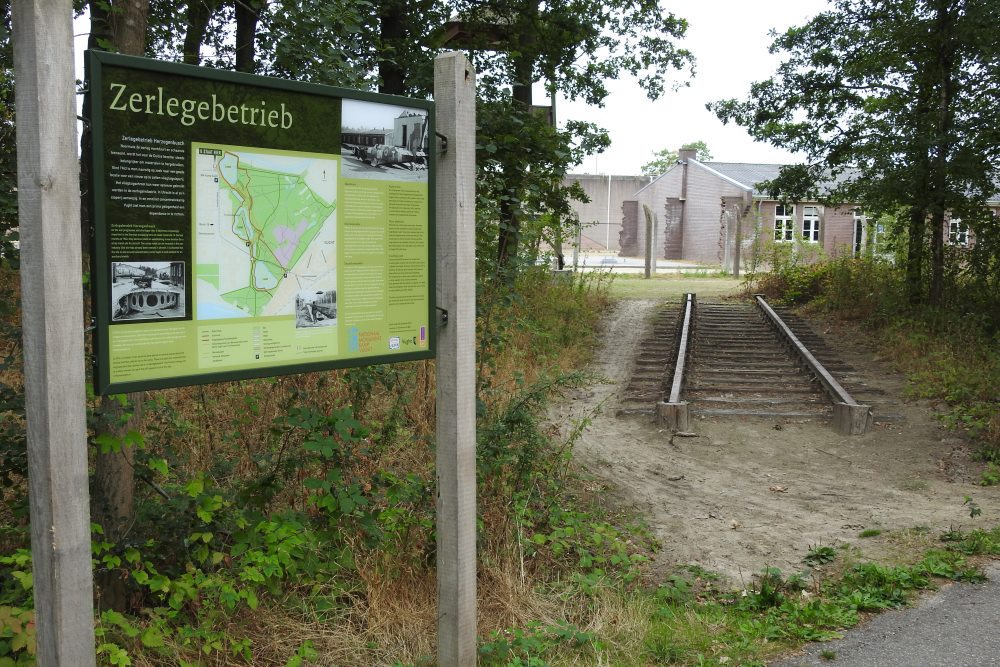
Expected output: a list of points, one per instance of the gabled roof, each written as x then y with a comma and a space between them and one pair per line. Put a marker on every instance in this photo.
747, 174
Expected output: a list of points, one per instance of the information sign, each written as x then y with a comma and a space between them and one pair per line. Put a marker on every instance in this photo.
246, 226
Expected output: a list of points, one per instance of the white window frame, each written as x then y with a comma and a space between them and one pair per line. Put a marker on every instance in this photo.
958, 233
810, 224
784, 222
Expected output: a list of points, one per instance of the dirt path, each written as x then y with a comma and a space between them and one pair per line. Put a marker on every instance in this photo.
746, 494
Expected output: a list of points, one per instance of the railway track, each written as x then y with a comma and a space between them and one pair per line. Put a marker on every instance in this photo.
741, 365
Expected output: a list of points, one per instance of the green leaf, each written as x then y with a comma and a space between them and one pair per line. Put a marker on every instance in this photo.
195, 487
158, 465
152, 638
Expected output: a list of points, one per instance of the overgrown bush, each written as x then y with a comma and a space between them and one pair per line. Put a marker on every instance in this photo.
311, 497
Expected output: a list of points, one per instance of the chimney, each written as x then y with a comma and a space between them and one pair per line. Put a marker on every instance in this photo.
685, 154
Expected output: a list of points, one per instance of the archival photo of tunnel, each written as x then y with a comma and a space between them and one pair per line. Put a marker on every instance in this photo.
383, 141
147, 291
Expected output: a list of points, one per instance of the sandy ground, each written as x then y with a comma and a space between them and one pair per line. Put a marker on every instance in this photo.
742, 495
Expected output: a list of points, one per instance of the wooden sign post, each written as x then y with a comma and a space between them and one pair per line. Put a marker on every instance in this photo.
48, 193
455, 102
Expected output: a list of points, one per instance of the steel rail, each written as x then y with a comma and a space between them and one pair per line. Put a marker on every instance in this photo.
682, 347
849, 416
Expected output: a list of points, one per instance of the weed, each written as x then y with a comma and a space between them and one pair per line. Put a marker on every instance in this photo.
820, 556
869, 532
974, 543
974, 509
528, 648
914, 485
991, 476
828, 655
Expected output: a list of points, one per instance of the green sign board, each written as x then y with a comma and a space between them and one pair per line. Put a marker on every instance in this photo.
246, 226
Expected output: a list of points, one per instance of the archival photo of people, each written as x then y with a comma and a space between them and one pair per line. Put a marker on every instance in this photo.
316, 308
147, 291
383, 141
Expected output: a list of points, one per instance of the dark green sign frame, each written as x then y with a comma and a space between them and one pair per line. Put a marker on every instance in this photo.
245, 226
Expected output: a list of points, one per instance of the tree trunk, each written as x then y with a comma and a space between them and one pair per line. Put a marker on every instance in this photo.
944, 75
113, 486
113, 496
524, 75
510, 212
199, 13
128, 26
392, 31
247, 18
915, 255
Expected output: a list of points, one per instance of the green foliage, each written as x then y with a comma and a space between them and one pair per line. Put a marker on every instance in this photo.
974, 543
869, 532
820, 555
529, 648
666, 158
948, 352
17, 616
775, 614
794, 277
991, 476
888, 126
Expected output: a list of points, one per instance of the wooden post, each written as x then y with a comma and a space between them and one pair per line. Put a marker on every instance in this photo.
652, 246
674, 416
455, 102
48, 191
852, 419
649, 240
576, 246
737, 250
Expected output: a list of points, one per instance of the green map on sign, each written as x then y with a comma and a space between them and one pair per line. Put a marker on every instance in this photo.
265, 229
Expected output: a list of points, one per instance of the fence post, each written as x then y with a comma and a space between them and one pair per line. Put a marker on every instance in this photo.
455, 107
48, 193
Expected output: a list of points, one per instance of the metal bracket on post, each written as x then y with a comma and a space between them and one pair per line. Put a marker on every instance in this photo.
444, 142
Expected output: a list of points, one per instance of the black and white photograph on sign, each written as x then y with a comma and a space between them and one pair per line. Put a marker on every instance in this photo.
147, 291
316, 309
383, 141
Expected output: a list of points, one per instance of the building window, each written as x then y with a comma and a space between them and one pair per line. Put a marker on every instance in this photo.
958, 233
784, 222
810, 224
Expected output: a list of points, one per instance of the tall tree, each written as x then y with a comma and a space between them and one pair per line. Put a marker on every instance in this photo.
577, 46
121, 27
895, 104
665, 158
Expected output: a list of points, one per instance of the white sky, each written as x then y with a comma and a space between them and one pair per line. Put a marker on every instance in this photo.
729, 40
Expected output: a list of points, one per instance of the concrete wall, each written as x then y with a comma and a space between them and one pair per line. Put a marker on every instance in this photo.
596, 215
703, 236
837, 230
655, 195
628, 239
